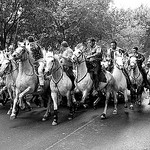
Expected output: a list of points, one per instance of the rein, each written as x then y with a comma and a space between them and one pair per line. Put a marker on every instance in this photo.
56, 71
80, 62
135, 77
10, 72
27, 58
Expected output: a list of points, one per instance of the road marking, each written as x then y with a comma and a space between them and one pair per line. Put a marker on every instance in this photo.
71, 133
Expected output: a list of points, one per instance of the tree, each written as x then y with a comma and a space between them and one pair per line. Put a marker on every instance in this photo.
10, 12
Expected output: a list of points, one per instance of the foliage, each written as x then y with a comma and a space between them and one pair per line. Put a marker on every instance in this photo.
52, 21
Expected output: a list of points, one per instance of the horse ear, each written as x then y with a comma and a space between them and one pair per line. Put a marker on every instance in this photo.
18, 43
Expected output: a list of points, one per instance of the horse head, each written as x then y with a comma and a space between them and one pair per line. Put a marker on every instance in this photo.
5, 67
133, 62
119, 62
52, 63
20, 52
148, 62
78, 56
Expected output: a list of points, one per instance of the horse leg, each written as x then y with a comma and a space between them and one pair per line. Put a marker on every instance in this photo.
70, 105
21, 95
13, 113
149, 96
48, 109
132, 98
27, 104
125, 98
54, 98
85, 93
103, 115
11, 101
115, 102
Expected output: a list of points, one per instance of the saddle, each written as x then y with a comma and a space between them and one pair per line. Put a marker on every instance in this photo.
102, 76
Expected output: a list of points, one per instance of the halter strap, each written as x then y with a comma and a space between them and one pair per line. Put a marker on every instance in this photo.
83, 57
12, 70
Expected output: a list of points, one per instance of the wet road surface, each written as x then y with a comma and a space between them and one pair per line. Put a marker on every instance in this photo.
124, 131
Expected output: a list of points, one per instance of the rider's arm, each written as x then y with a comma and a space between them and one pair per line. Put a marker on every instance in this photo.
141, 58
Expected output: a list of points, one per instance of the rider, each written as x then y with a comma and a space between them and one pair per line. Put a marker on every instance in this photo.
68, 67
95, 57
38, 58
140, 59
113, 52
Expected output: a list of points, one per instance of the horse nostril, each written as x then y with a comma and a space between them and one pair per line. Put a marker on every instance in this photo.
14, 55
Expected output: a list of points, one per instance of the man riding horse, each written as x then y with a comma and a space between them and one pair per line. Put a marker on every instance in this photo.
68, 66
95, 57
140, 59
38, 58
112, 53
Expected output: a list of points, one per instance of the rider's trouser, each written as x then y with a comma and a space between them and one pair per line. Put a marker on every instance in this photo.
69, 72
40, 72
96, 74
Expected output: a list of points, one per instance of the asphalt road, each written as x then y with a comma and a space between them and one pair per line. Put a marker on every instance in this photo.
124, 131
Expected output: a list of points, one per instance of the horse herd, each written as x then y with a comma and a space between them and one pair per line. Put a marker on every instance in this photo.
21, 80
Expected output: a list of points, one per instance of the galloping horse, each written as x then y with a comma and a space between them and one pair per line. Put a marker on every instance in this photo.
148, 74
84, 82
26, 81
120, 78
60, 84
9, 69
136, 79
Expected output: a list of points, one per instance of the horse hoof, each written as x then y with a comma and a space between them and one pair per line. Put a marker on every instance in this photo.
114, 112
85, 106
94, 107
44, 119
131, 107
103, 116
54, 123
9, 112
125, 106
70, 117
30, 108
12, 117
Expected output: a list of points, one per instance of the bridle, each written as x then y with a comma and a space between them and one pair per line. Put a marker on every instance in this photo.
19, 54
10, 71
50, 70
118, 66
133, 77
80, 62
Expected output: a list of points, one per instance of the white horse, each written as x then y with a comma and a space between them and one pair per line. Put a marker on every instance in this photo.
26, 81
148, 76
60, 85
136, 79
84, 82
120, 78
9, 69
